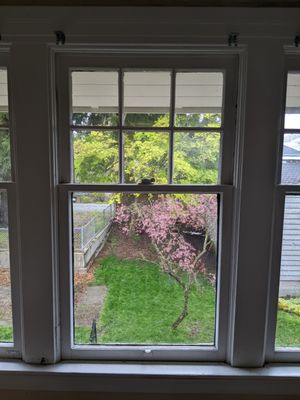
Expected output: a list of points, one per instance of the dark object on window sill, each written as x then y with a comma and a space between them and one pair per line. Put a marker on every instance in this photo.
147, 181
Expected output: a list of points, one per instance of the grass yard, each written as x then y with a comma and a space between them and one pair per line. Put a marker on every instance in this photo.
142, 303
288, 330
6, 334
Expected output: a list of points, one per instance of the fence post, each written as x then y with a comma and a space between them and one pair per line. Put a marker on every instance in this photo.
93, 334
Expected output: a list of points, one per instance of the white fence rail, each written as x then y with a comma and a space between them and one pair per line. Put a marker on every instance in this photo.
83, 235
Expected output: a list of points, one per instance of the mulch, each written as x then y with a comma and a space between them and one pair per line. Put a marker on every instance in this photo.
123, 246
4, 277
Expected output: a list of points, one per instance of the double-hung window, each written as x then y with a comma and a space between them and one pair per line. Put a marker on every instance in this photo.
286, 255
9, 285
145, 162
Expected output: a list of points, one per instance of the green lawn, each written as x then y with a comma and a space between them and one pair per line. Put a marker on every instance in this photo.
288, 330
6, 334
142, 303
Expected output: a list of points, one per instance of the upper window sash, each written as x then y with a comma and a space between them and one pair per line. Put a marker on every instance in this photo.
66, 64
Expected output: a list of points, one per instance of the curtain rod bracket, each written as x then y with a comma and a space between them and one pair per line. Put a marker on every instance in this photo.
60, 38
233, 39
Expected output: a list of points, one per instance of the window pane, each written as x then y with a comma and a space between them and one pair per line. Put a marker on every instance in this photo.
196, 157
288, 318
146, 156
147, 98
3, 98
96, 156
292, 110
199, 99
95, 98
290, 173
6, 330
145, 268
5, 163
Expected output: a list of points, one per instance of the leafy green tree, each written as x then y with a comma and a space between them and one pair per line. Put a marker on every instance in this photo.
196, 154
96, 158
4, 119
146, 156
5, 164
91, 119
4, 155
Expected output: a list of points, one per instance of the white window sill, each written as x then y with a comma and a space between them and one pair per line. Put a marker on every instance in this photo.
152, 378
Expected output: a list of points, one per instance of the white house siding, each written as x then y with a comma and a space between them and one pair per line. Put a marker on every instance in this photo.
290, 258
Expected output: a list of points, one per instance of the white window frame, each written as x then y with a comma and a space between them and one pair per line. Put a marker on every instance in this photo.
128, 59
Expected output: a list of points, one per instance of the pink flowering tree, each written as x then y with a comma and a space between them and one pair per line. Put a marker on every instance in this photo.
163, 219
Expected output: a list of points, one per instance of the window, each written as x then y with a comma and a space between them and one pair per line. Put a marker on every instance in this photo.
126, 137
288, 321
6, 333
145, 204
9, 311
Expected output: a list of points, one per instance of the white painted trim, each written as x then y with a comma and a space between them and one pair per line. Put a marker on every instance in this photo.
258, 157
151, 378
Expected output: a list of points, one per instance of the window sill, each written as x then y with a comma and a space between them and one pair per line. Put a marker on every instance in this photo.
151, 378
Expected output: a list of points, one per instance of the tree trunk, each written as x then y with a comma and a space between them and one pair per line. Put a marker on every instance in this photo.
184, 311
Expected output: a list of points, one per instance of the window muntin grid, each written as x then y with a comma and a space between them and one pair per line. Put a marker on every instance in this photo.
149, 102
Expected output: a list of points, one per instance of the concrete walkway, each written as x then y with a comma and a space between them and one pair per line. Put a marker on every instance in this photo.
5, 306
89, 305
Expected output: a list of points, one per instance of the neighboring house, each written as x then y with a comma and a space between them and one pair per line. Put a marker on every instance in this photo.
290, 258
290, 165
